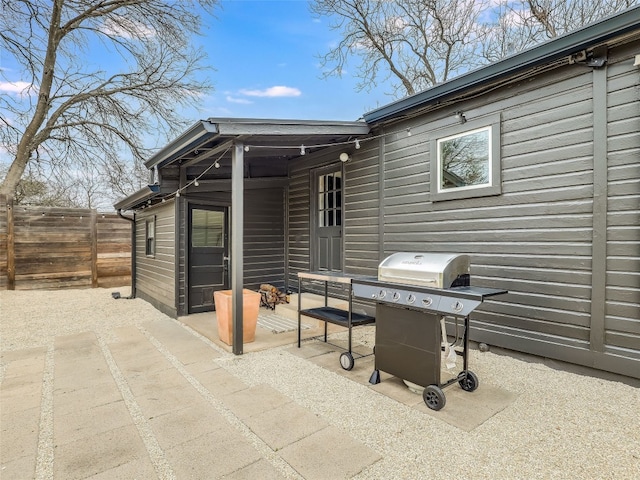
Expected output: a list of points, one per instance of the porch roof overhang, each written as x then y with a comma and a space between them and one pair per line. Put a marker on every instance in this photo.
138, 198
617, 26
267, 142
271, 138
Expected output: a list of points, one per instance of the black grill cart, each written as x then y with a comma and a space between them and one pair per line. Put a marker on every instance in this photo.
345, 318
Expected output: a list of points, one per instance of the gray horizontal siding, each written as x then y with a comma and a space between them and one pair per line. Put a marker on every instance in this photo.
155, 276
362, 208
622, 317
264, 238
298, 227
535, 238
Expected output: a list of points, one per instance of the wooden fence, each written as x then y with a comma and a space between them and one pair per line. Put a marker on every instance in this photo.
46, 247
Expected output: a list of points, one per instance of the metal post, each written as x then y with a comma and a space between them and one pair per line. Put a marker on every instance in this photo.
237, 242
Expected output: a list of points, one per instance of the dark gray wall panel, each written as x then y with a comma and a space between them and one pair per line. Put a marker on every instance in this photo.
264, 238
622, 320
155, 276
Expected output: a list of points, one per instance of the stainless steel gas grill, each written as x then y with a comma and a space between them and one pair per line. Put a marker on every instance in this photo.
414, 292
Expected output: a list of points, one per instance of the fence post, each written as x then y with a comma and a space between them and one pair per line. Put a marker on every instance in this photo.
94, 249
11, 250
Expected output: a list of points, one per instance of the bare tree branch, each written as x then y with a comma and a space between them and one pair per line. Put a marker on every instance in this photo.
418, 43
81, 109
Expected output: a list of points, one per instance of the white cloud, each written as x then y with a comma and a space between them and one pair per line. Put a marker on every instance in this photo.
126, 28
18, 88
242, 101
276, 91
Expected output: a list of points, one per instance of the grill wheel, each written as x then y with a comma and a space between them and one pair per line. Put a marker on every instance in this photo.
434, 397
346, 361
468, 381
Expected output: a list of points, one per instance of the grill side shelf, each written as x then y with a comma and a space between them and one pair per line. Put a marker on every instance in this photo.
337, 316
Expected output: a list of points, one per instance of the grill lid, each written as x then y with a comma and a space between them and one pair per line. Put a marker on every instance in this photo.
438, 270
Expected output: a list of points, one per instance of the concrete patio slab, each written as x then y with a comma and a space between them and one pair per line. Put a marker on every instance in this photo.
463, 409
141, 468
255, 400
86, 422
19, 433
88, 397
285, 425
98, 453
21, 392
219, 382
180, 426
261, 469
212, 455
468, 410
329, 454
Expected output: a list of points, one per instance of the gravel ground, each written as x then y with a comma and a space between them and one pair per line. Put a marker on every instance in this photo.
562, 424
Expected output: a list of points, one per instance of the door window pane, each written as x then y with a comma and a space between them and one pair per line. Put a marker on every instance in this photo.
207, 228
330, 199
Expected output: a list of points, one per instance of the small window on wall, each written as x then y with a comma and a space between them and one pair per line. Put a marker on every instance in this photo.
150, 235
465, 161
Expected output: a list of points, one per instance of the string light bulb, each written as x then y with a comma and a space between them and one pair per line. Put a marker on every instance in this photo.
246, 148
357, 144
302, 150
195, 183
178, 194
216, 164
409, 132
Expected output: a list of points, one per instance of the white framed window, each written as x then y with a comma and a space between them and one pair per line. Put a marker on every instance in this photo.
465, 160
150, 236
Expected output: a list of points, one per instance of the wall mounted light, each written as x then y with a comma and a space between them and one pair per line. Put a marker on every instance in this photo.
460, 117
344, 157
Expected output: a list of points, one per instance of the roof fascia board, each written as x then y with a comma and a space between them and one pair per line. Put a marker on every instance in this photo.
614, 26
136, 198
248, 127
190, 139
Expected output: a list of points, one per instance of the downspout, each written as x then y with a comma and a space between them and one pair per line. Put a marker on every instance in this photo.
133, 252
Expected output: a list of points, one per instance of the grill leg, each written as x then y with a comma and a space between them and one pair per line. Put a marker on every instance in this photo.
374, 379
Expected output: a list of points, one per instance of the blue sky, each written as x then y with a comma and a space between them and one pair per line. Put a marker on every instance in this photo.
265, 55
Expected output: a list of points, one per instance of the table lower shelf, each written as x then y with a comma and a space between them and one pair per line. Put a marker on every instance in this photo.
338, 316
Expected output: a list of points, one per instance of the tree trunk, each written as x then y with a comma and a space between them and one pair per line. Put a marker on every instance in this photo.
27, 146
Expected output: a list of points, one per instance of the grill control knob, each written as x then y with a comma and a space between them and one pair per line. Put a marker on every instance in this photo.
396, 296
457, 307
427, 301
382, 294
411, 298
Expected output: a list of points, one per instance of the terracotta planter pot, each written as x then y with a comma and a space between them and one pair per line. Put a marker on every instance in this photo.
224, 312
